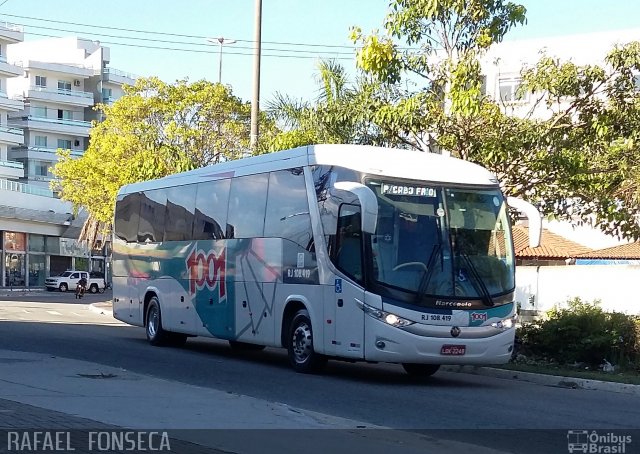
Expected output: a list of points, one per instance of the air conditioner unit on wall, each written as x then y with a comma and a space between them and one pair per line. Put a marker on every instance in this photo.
76, 83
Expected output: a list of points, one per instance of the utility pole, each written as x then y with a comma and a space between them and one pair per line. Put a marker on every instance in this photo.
255, 103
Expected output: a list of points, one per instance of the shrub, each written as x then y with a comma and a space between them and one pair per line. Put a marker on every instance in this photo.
583, 333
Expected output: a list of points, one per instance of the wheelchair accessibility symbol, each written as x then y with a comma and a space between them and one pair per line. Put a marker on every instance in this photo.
338, 285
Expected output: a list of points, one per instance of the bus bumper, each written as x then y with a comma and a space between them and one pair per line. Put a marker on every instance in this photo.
386, 343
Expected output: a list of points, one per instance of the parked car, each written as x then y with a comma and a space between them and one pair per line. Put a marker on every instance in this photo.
70, 278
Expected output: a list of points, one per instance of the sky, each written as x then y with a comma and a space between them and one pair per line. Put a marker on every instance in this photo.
168, 39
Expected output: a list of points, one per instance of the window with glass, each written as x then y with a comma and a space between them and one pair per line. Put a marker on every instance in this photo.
107, 94
178, 219
152, 212
40, 141
442, 242
287, 214
15, 241
41, 168
15, 272
36, 243
65, 114
212, 203
64, 144
127, 217
348, 242
41, 81
37, 272
511, 91
247, 206
63, 85
38, 112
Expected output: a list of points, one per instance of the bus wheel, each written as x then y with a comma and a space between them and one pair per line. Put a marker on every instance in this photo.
420, 370
302, 356
245, 346
155, 334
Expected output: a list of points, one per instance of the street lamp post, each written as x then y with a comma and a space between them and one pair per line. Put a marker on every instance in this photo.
220, 41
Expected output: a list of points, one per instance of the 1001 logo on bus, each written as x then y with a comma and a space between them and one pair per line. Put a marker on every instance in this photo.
206, 269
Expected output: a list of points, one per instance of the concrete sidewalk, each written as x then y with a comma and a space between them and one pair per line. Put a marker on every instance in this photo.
78, 394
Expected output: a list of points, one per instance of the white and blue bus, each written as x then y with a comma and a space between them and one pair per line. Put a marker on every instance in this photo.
330, 251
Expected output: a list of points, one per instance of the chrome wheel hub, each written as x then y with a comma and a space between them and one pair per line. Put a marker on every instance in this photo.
302, 343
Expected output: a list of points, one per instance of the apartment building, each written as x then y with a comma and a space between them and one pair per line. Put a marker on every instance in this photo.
503, 63
9, 136
48, 90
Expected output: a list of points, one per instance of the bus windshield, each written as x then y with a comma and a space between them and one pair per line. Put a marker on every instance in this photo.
434, 241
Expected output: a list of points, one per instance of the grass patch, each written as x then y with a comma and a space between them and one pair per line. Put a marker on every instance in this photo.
564, 371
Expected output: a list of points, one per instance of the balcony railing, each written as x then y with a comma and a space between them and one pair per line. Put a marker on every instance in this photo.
61, 121
118, 72
48, 150
12, 164
8, 185
10, 26
11, 130
61, 91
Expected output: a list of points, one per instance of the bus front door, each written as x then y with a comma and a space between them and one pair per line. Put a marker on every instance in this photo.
349, 294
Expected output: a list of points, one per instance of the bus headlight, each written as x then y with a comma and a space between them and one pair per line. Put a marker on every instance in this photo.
505, 324
386, 317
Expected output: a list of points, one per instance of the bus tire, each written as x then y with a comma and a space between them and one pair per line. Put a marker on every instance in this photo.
245, 346
155, 334
420, 370
302, 355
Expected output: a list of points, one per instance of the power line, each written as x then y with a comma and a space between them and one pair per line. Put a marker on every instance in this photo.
151, 32
183, 42
227, 52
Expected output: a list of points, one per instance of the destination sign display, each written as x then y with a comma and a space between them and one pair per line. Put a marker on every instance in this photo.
415, 191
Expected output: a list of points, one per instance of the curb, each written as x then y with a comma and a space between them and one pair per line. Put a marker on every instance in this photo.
101, 308
548, 380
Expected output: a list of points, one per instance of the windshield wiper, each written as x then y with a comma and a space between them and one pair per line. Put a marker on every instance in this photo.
484, 292
426, 276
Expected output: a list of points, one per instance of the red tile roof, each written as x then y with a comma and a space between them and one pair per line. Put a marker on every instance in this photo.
552, 246
624, 251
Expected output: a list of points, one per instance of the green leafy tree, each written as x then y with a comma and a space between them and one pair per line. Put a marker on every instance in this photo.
154, 130
341, 112
574, 154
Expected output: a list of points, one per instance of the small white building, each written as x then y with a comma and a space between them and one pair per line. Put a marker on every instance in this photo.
503, 63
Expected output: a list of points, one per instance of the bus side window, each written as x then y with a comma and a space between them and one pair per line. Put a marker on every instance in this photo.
128, 217
348, 249
153, 205
179, 215
210, 216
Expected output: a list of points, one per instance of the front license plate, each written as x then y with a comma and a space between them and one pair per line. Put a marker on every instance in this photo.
453, 350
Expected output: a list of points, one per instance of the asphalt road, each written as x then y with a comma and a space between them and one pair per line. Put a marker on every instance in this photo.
379, 394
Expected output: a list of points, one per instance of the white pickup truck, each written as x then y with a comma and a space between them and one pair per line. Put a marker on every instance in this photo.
69, 279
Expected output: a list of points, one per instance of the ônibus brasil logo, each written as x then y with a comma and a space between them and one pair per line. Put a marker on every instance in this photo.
206, 269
